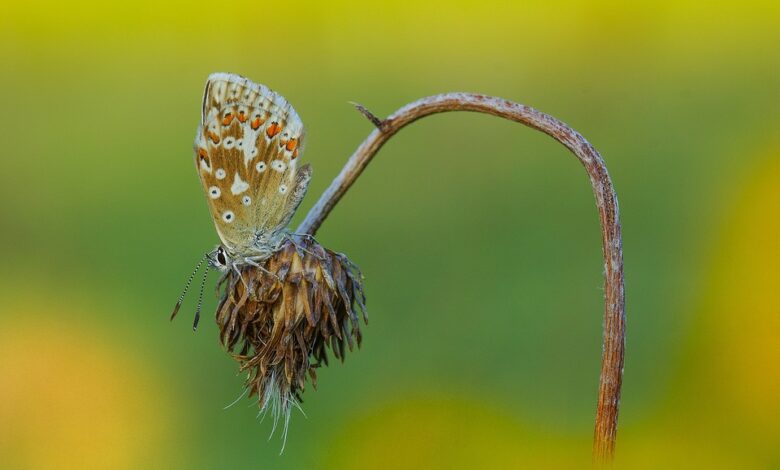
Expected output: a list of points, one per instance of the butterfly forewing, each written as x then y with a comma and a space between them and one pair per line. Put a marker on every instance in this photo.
246, 152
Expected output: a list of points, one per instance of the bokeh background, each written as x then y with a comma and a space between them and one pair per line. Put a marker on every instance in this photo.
478, 238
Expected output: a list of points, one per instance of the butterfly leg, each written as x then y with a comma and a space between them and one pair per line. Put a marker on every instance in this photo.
252, 262
238, 272
304, 235
297, 246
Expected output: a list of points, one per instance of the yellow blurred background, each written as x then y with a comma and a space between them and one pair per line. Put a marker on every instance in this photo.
478, 238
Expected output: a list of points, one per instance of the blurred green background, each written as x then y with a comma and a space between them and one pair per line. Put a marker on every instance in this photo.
478, 237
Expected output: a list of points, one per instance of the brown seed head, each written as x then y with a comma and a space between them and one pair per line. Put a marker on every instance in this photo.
279, 321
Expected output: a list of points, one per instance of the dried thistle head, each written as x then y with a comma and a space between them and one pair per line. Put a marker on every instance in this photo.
279, 320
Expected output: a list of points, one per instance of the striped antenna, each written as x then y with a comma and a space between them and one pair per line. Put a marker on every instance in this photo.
187, 286
200, 298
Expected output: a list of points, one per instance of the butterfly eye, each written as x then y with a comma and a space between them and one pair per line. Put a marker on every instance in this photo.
221, 259
228, 216
214, 192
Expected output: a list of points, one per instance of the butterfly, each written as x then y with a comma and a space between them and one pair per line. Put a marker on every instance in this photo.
247, 147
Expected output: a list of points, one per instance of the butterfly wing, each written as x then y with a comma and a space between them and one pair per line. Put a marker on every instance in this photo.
246, 153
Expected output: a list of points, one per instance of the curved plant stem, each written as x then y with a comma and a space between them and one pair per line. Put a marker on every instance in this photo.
606, 201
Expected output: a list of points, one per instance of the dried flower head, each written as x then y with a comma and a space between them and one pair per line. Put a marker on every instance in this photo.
279, 320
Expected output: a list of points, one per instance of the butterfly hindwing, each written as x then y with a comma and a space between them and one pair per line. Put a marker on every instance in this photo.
246, 152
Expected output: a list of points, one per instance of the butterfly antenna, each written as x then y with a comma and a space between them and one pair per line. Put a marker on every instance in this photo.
200, 298
187, 286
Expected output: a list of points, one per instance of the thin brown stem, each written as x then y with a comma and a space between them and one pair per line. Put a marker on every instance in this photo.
606, 201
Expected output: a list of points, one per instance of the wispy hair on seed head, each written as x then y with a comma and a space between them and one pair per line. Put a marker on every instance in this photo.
280, 403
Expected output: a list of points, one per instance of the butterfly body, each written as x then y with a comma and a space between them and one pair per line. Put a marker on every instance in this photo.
246, 152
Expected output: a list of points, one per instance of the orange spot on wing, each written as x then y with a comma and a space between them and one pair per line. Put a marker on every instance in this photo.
257, 122
227, 119
203, 155
291, 145
273, 129
214, 137
295, 154
241, 116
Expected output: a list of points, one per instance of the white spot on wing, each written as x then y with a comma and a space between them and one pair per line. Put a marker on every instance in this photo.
260, 167
220, 174
214, 192
246, 200
228, 216
282, 188
278, 165
239, 185
249, 148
